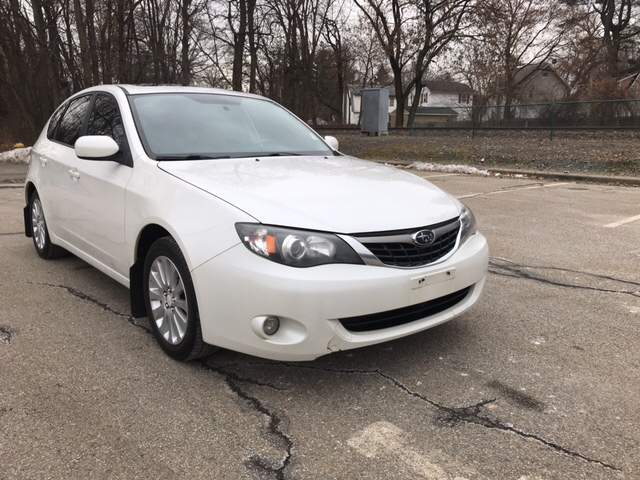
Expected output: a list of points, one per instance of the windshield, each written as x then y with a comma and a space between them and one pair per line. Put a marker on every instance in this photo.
191, 126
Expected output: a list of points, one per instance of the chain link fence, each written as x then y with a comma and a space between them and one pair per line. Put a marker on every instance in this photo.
553, 116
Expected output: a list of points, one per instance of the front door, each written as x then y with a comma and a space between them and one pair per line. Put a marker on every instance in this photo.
99, 197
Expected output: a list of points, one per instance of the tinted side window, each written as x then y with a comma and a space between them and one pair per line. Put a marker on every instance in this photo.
105, 119
69, 129
53, 123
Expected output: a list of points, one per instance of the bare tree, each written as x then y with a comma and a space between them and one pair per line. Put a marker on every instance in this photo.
620, 27
341, 57
518, 33
581, 59
302, 53
412, 33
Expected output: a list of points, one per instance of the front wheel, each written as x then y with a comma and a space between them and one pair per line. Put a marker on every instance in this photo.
171, 302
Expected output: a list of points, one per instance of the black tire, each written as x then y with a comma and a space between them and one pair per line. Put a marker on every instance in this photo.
187, 345
40, 232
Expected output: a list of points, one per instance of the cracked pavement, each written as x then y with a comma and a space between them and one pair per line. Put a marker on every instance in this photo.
539, 381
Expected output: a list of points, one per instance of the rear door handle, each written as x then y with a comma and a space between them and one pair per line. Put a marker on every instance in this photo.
74, 174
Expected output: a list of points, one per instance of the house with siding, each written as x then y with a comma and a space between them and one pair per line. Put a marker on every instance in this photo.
631, 84
533, 84
441, 102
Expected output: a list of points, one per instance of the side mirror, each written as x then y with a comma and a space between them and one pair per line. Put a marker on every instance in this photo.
95, 147
332, 142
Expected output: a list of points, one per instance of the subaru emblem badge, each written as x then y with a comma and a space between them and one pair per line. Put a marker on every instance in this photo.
423, 238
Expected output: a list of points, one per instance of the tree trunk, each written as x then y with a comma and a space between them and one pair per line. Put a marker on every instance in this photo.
185, 64
84, 45
253, 46
48, 78
400, 98
93, 51
238, 52
415, 103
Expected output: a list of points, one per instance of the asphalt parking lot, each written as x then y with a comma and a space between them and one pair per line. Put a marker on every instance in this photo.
540, 381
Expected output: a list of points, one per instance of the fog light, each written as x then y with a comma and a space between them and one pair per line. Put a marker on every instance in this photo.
271, 325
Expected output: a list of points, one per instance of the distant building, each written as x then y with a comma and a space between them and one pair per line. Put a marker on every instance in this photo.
352, 103
538, 84
631, 84
441, 101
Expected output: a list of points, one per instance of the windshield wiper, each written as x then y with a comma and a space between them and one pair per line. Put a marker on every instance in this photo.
190, 157
272, 154
281, 154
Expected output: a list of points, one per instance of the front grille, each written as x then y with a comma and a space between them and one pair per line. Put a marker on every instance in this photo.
400, 316
405, 254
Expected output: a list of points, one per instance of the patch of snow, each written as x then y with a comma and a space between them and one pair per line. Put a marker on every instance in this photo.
432, 167
17, 155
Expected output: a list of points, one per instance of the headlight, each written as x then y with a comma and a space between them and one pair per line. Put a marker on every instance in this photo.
297, 248
467, 224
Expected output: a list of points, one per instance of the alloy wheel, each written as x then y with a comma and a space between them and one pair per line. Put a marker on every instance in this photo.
168, 300
38, 224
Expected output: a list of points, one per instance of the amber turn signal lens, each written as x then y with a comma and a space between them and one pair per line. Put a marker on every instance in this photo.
271, 245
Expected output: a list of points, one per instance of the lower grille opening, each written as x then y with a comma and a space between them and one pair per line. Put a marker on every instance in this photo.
400, 316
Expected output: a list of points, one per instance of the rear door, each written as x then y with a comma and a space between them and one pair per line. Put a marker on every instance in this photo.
56, 160
43, 168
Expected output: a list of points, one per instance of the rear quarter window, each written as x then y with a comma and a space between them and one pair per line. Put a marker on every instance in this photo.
53, 122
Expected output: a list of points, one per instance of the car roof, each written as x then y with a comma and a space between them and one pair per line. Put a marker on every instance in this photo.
149, 89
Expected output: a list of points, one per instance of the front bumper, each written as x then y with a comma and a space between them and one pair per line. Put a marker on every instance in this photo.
237, 286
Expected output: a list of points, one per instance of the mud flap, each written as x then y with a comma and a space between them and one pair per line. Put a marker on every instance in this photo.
27, 221
138, 308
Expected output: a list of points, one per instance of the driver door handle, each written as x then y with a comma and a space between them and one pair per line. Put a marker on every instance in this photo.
74, 174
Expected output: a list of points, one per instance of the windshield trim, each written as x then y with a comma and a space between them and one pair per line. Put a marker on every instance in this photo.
220, 155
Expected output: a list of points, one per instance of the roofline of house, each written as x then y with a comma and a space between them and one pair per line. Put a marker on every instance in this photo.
470, 91
637, 75
538, 69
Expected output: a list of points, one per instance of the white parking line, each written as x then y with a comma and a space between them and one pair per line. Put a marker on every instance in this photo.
385, 439
515, 189
622, 222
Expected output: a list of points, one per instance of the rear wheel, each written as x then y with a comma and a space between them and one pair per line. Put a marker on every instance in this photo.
171, 302
39, 231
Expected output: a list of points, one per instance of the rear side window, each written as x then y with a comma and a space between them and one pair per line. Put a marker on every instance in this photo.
71, 123
105, 119
53, 123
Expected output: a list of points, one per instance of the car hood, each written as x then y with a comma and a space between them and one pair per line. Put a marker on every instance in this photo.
336, 194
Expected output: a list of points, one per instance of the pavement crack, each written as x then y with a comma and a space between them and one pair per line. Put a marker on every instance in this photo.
6, 334
475, 414
235, 377
83, 296
507, 268
11, 233
275, 425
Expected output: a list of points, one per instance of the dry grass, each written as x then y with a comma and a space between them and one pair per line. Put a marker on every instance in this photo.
616, 153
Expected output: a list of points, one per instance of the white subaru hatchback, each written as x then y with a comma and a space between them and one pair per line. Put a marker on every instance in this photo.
235, 225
